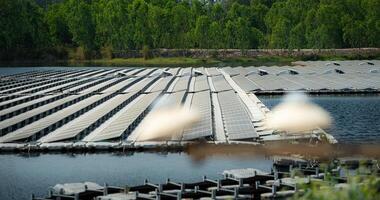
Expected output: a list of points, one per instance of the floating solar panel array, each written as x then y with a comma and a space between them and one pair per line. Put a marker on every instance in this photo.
94, 105
316, 76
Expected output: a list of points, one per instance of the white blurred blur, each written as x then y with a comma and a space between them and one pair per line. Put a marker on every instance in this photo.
166, 121
297, 114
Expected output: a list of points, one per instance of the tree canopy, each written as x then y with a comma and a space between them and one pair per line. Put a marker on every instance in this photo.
243, 24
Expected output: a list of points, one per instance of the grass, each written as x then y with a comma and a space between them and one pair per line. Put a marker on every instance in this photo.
180, 61
175, 61
154, 61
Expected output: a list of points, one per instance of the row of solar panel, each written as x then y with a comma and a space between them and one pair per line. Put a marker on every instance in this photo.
95, 105
92, 102
319, 67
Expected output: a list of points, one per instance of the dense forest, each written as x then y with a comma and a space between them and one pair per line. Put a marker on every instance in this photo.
96, 26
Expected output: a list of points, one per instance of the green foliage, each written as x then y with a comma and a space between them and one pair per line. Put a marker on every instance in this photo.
112, 24
243, 24
80, 53
80, 23
145, 52
22, 25
106, 52
358, 188
201, 32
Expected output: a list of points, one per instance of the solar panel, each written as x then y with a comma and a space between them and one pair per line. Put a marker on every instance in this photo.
181, 84
220, 83
124, 121
245, 84
212, 71
146, 72
139, 86
173, 71
201, 70
175, 99
186, 71
201, 84
201, 103
160, 84
231, 71
89, 120
44, 123
236, 120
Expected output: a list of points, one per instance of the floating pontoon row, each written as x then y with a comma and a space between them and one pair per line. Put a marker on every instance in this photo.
249, 183
99, 105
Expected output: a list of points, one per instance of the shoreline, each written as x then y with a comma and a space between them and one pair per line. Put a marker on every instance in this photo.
201, 57
153, 62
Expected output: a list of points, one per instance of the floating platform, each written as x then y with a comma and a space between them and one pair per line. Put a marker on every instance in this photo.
284, 180
103, 108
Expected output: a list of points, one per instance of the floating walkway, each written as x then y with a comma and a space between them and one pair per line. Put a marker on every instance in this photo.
102, 108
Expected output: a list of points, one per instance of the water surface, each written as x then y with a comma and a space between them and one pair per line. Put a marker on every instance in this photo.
356, 117
22, 175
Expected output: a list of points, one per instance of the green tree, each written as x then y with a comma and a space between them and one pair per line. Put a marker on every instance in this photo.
119, 25
354, 34
201, 32
243, 33
372, 21
139, 17
80, 23
218, 13
158, 25
216, 36
112, 24
258, 12
329, 27
257, 39
22, 25
280, 34
230, 34
297, 38
58, 29
181, 26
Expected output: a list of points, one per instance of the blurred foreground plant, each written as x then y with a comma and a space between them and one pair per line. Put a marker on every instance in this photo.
357, 188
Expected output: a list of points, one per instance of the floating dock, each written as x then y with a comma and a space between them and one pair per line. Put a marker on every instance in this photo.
287, 178
102, 108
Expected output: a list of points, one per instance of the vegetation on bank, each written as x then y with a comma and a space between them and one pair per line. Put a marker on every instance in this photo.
45, 29
142, 61
176, 61
156, 61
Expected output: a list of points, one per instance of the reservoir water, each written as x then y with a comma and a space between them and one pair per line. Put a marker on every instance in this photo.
22, 175
356, 120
